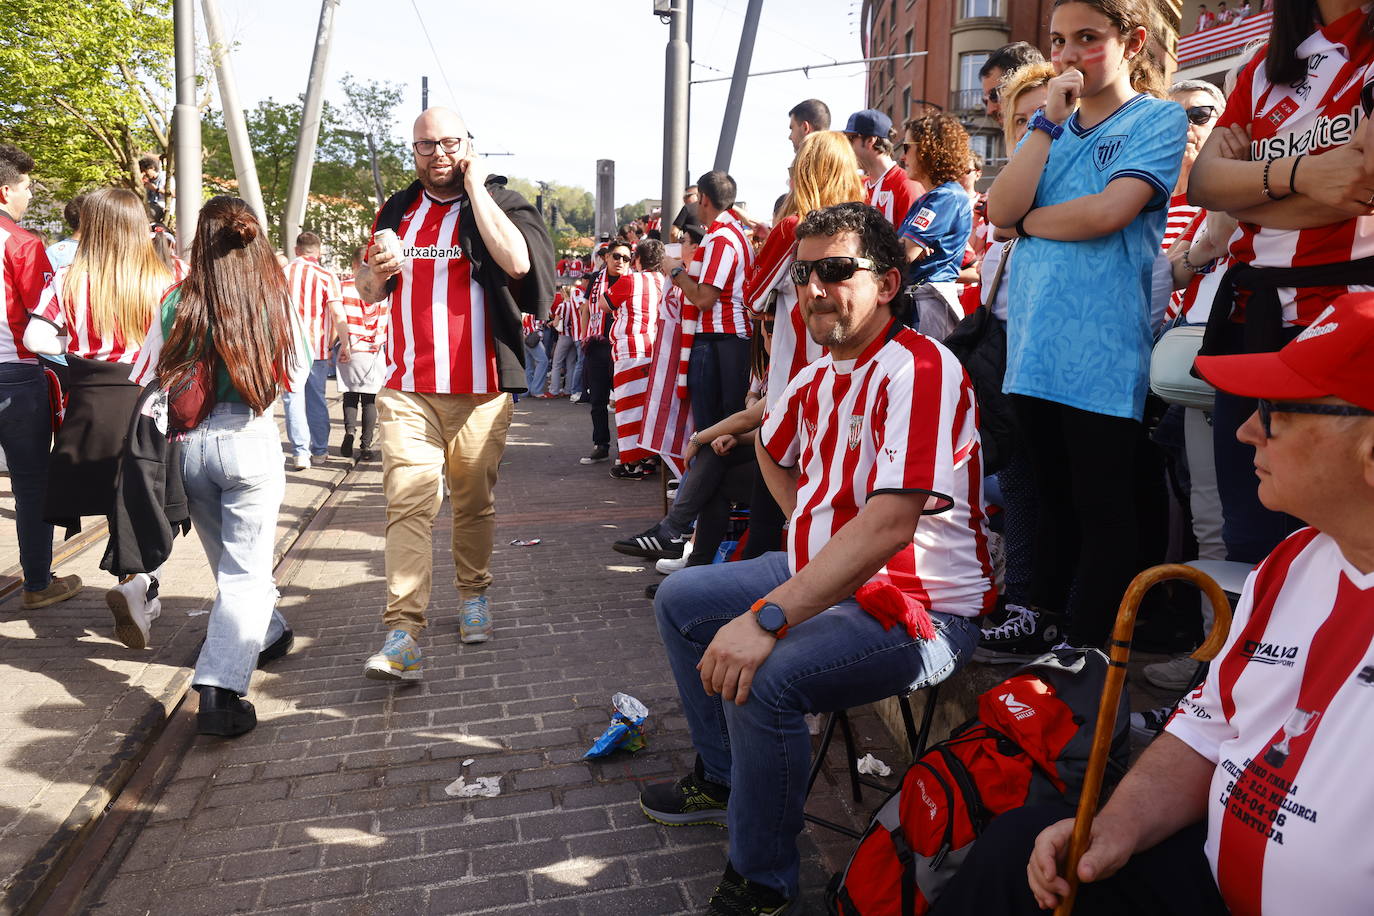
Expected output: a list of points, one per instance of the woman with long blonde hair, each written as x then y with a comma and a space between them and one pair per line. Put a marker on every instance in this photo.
95, 312
824, 173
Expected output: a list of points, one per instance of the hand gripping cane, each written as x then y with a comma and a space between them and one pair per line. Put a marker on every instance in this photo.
1111, 695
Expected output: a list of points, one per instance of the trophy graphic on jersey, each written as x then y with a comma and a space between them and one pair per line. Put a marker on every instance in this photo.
1299, 722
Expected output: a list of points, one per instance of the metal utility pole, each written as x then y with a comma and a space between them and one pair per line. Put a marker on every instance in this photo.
310, 130
676, 81
424, 94
245, 169
738, 83
604, 219
186, 125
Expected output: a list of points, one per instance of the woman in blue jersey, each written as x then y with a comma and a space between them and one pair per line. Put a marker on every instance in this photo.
1087, 192
936, 154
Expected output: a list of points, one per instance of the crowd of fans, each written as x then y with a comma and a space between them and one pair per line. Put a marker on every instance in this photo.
909, 424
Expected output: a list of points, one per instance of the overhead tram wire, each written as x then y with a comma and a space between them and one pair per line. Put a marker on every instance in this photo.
452, 96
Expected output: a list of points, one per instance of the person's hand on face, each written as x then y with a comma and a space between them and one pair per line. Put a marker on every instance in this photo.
1064, 92
472, 167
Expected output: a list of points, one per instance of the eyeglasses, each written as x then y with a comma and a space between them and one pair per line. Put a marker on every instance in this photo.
830, 270
990, 96
907, 145
1268, 408
618, 256
430, 147
1201, 114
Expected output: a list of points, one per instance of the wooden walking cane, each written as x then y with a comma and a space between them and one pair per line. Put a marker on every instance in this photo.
1111, 695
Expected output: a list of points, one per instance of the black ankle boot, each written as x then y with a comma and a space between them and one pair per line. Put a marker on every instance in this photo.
223, 712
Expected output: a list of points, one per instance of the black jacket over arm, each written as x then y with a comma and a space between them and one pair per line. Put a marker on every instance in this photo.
506, 298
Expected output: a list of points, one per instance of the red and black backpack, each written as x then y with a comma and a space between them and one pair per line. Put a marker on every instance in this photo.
1028, 744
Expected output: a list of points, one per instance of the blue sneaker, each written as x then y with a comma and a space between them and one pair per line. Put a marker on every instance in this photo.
399, 659
474, 620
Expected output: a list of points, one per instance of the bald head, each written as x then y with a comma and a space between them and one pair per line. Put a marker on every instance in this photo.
434, 123
441, 140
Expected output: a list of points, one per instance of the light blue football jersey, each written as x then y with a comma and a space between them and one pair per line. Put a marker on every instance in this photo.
1078, 316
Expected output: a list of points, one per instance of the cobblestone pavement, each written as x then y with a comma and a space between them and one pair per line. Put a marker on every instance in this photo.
336, 803
76, 704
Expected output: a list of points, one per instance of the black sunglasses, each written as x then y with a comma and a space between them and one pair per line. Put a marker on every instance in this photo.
621, 257
1201, 114
830, 270
1268, 408
991, 96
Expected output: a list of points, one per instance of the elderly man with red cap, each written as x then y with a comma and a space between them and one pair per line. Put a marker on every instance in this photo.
1257, 797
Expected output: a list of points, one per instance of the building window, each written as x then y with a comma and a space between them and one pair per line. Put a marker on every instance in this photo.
910, 44
980, 8
906, 107
969, 95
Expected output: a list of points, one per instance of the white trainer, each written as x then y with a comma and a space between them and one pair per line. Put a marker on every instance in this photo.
134, 605
665, 567
1176, 675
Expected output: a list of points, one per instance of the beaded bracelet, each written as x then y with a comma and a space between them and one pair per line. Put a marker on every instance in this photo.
1268, 192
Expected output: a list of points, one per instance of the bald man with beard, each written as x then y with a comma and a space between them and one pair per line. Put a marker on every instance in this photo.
473, 257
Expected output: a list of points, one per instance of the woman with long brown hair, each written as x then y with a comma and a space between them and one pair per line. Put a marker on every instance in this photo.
231, 318
96, 312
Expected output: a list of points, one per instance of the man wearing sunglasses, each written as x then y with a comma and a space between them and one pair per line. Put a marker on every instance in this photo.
873, 451
473, 257
1258, 781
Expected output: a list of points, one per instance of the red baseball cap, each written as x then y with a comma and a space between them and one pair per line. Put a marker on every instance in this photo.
1333, 356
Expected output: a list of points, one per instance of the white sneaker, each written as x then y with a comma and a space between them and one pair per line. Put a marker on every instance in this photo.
135, 605
302, 462
1176, 675
665, 567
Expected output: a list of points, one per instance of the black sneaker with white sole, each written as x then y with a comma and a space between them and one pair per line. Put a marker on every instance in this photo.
651, 545
1146, 726
1024, 635
736, 895
693, 799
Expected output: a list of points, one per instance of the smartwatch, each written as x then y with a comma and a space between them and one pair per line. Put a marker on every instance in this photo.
770, 617
1038, 121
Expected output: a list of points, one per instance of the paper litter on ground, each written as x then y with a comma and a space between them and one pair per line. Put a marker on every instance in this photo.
469, 762
872, 766
481, 786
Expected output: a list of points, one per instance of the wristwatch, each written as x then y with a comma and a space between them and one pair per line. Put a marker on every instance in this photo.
770, 617
675, 271
1038, 121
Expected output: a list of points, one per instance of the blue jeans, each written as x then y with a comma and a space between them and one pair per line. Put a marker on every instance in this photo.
536, 367
231, 467
567, 356
836, 660
307, 413
578, 383
26, 437
717, 377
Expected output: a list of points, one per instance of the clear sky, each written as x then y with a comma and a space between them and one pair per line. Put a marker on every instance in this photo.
561, 84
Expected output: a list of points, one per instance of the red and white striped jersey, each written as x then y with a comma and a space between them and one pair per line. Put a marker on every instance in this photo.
26, 273
438, 342
596, 316
899, 418
726, 257
367, 321
1287, 716
73, 315
529, 324
792, 347
572, 314
1181, 216
313, 287
1315, 114
893, 193
636, 299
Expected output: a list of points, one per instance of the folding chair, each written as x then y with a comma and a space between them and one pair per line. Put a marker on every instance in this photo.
916, 741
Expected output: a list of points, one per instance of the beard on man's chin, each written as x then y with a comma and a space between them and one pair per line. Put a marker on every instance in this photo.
453, 181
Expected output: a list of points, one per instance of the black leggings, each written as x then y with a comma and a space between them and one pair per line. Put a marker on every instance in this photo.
1087, 544
1170, 879
351, 400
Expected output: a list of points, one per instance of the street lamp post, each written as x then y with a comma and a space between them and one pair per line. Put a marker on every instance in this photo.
677, 78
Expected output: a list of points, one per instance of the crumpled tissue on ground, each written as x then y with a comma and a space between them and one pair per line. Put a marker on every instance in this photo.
872, 766
626, 730
481, 786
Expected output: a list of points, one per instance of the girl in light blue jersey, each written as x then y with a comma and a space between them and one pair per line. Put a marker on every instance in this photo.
1087, 192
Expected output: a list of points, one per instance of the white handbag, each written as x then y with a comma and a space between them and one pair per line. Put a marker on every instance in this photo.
1171, 368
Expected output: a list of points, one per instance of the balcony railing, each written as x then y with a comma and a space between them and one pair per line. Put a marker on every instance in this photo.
1222, 41
966, 100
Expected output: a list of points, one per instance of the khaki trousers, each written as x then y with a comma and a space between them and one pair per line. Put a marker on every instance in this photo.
424, 436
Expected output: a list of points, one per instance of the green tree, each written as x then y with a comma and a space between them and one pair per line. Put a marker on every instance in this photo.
631, 212
86, 86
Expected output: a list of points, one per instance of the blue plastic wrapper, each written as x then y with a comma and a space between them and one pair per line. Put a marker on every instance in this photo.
626, 731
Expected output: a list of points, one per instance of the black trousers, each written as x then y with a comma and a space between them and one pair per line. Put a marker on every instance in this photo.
765, 520
352, 400
597, 373
1087, 545
1171, 879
